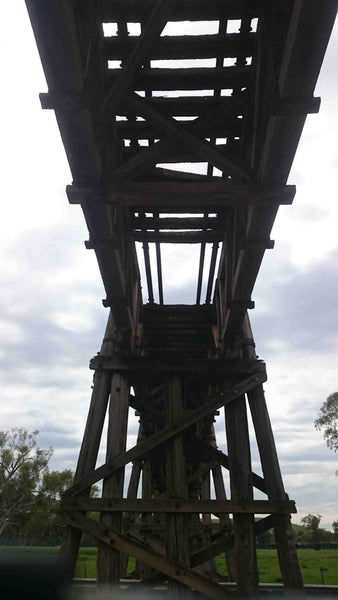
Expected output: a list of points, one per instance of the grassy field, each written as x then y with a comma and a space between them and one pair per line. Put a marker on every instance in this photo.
314, 563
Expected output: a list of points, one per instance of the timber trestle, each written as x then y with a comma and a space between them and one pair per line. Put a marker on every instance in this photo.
180, 120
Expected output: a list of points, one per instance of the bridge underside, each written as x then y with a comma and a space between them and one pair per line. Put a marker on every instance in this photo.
180, 121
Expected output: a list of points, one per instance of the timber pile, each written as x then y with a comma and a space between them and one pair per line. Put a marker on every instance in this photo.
180, 121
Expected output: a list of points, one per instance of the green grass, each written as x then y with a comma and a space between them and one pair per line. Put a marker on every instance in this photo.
311, 562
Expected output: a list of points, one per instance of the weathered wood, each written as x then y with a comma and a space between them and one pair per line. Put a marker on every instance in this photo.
174, 237
173, 569
184, 136
185, 10
89, 449
287, 554
241, 490
218, 193
108, 560
185, 79
187, 46
145, 130
163, 505
176, 486
154, 25
176, 222
144, 364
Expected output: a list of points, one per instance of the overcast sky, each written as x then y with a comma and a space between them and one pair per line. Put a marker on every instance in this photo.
51, 316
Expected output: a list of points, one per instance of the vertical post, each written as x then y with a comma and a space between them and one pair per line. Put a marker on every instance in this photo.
177, 525
286, 547
241, 489
108, 560
225, 521
89, 448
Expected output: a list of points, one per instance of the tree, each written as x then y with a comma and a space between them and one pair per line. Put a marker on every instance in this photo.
335, 529
311, 522
22, 464
328, 419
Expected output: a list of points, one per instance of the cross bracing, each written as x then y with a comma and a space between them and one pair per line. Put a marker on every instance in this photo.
180, 121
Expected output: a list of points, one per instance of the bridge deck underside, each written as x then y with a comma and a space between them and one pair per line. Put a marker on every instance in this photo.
180, 121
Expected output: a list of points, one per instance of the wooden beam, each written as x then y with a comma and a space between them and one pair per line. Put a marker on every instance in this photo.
177, 505
108, 562
141, 130
187, 46
222, 459
89, 447
183, 194
196, 106
241, 488
227, 542
141, 552
183, 136
185, 10
144, 364
167, 433
185, 79
186, 237
152, 30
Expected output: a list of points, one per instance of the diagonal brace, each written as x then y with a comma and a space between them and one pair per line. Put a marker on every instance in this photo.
142, 552
152, 30
182, 135
180, 424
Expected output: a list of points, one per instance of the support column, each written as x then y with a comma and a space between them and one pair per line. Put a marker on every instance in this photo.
108, 560
176, 480
241, 490
89, 448
286, 547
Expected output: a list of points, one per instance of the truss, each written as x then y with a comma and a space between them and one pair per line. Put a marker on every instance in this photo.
141, 90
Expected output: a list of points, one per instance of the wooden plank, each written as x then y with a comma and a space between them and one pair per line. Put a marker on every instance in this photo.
108, 561
185, 10
175, 428
181, 194
186, 237
178, 505
152, 30
141, 552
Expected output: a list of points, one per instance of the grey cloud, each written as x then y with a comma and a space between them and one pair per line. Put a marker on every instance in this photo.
300, 309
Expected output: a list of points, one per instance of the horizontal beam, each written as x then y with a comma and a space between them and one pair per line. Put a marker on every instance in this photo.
139, 130
193, 106
136, 11
188, 418
145, 554
174, 237
187, 46
176, 223
181, 194
169, 505
143, 364
186, 79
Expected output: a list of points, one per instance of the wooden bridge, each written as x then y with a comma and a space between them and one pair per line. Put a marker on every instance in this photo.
138, 85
